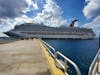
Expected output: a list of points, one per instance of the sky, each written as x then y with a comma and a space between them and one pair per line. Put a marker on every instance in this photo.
54, 13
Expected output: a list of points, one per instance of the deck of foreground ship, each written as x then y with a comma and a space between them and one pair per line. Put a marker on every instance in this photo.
23, 58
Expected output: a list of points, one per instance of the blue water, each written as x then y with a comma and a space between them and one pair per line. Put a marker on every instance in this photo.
82, 52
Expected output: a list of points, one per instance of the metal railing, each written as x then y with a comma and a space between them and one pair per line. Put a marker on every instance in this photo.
93, 66
55, 53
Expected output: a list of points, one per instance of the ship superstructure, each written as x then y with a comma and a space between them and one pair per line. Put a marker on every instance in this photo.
30, 30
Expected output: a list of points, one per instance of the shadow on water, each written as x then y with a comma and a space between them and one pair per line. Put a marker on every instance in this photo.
82, 52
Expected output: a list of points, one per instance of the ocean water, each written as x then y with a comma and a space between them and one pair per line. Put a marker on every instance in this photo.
82, 52
5, 39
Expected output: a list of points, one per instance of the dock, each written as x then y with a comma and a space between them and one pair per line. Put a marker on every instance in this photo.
32, 57
23, 57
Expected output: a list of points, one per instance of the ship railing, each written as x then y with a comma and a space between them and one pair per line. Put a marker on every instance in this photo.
94, 65
66, 60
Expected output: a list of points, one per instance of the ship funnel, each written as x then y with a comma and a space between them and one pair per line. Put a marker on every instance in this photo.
73, 23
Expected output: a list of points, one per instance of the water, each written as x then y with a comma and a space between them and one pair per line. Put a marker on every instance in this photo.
82, 52
5, 39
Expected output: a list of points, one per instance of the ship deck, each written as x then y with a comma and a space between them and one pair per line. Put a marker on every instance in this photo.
23, 58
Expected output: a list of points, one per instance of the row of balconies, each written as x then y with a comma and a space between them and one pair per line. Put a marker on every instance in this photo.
57, 33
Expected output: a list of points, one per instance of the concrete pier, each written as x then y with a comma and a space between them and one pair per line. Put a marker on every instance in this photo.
23, 58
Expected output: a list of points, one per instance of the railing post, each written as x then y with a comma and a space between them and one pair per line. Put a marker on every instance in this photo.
65, 61
55, 53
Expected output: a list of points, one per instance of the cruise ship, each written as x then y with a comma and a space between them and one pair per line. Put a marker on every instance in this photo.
30, 30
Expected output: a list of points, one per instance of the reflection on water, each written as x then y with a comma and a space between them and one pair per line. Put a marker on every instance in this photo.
81, 52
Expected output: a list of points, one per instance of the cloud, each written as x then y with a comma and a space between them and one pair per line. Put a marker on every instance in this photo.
11, 8
51, 15
95, 25
32, 5
22, 19
8, 24
92, 8
13, 12
15, 8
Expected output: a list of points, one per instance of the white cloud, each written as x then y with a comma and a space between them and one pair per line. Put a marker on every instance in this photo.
21, 20
16, 8
51, 15
32, 5
95, 25
17, 14
35, 5
8, 24
92, 8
